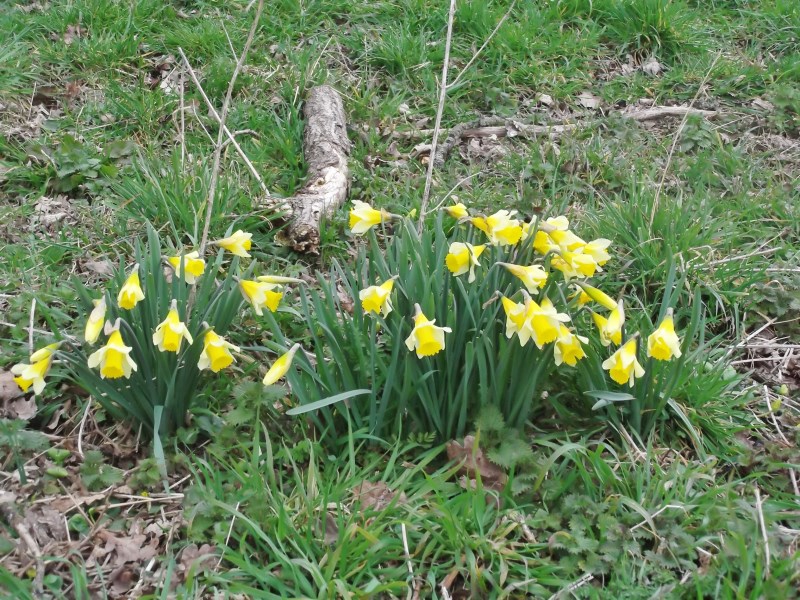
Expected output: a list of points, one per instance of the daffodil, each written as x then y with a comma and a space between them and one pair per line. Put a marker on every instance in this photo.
377, 298
425, 338
533, 277
281, 366
114, 358
131, 292
363, 217
597, 249
96, 319
610, 328
560, 223
599, 296
530, 320
171, 332
260, 294
622, 366
664, 343
500, 228
457, 211
574, 264
543, 244
566, 240
238, 243
193, 266
568, 348
545, 321
33, 374
464, 257
216, 354
516, 321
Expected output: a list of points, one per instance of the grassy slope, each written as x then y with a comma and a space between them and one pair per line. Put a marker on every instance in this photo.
725, 195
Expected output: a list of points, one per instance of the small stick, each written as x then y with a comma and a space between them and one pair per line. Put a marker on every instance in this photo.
763, 531
439, 111
30, 326
485, 43
216, 116
212, 187
675, 139
405, 549
228, 536
83, 423
183, 121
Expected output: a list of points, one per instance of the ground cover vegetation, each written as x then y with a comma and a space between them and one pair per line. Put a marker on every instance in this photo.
574, 372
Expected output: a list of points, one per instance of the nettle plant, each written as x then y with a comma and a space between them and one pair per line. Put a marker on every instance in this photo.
152, 339
474, 311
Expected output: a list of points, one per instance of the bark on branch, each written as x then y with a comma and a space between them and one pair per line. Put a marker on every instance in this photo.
326, 148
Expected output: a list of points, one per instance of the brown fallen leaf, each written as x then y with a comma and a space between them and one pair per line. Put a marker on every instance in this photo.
102, 267
474, 462
134, 548
589, 100
46, 525
377, 496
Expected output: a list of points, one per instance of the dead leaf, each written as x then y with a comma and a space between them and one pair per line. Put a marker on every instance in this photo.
99, 267
134, 548
66, 504
652, 67
45, 524
762, 104
72, 33
474, 462
377, 496
344, 299
9, 390
544, 99
589, 100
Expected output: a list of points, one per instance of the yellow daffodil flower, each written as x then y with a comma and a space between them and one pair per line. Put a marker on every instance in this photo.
96, 319
377, 298
500, 228
664, 343
114, 358
560, 223
131, 292
592, 293
260, 294
611, 328
425, 338
568, 348
566, 240
516, 321
216, 354
33, 374
575, 264
281, 366
171, 332
462, 258
622, 366
238, 243
543, 244
363, 217
597, 250
193, 266
533, 277
457, 211
545, 321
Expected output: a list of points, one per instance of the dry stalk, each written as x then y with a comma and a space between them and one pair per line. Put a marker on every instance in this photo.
439, 111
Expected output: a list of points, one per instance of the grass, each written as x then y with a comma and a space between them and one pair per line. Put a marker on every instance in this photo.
598, 511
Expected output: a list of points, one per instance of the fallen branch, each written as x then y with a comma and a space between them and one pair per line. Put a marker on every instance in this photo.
326, 148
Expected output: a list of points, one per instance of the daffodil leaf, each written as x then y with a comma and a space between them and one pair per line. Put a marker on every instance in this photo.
300, 410
606, 398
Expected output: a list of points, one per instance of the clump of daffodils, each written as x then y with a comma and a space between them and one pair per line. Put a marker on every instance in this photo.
567, 262
147, 339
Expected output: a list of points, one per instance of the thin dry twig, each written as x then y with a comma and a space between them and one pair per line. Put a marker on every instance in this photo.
212, 187
426, 194
483, 46
763, 527
677, 136
216, 116
30, 326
